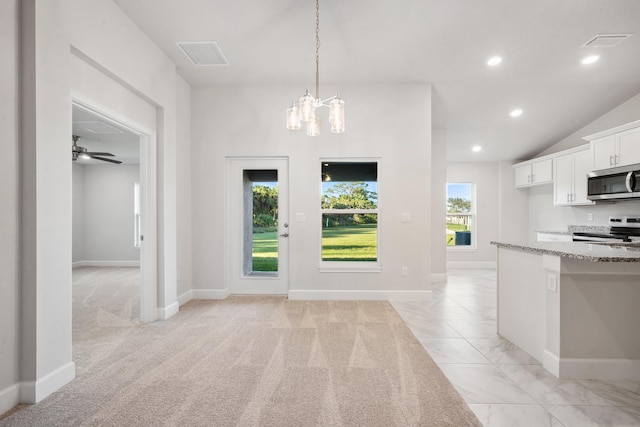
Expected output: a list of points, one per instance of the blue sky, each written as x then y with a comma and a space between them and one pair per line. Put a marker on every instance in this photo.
462, 190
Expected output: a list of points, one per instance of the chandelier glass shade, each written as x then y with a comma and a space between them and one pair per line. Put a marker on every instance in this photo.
305, 110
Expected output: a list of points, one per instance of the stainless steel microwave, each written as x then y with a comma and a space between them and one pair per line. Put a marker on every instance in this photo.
613, 184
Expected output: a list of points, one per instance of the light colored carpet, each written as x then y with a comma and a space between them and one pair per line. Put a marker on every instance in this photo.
246, 361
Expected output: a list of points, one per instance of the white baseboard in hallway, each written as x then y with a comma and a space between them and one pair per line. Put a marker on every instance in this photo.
471, 265
34, 391
9, 397
203, 294
438, 278
95, 263
320, 295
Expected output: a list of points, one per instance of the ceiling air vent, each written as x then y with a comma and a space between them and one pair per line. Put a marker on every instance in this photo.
606, 40
203, 53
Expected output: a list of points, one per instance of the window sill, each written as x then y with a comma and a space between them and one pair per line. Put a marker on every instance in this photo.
461, 249
350, 267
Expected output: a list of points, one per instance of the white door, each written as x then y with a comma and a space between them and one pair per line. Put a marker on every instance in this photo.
257, 225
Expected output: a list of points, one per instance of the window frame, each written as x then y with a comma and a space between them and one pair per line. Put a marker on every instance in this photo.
351, 266
473, 247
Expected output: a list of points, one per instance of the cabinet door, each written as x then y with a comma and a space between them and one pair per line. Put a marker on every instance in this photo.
604, 152
542, 172
629, 147
563, 184
523, 176
582, 165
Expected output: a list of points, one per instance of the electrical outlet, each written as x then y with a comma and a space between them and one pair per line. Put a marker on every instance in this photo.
590, 217
405, 271
552, 282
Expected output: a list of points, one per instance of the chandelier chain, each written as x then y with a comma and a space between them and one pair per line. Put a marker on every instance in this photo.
317, 49
305, 109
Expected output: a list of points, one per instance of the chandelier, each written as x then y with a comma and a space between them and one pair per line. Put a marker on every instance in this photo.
305, 109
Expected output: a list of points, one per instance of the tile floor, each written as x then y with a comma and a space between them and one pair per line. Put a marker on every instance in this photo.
503, 385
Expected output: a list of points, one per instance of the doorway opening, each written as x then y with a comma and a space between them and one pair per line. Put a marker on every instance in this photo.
113, 247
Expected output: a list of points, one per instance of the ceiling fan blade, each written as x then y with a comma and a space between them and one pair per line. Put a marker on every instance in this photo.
105, 160
95, 153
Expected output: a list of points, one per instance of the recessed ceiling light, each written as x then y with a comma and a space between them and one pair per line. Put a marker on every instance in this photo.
516, 113
494, 60
589, 59
476, 148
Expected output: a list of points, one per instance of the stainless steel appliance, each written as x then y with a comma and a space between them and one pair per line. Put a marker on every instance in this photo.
614, 184
621, 229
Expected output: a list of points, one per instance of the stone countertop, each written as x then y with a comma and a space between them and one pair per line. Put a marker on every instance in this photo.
587, 251
600, 229
562, 233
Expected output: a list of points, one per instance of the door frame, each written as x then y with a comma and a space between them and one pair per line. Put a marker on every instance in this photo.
235, 280
148, 193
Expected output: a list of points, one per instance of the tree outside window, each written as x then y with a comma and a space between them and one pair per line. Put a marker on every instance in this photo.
349, 206
460, 215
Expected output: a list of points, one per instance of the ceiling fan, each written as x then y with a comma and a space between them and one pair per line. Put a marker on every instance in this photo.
78, 151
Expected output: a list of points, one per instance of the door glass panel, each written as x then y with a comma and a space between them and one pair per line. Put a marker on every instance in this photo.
261, 222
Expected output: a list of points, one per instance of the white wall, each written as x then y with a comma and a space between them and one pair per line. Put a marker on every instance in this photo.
9, 224
183, 174
249, 121
544, 216
77, 253
486, 176
106, 214
438, 205
626, 112
514, 206
100, 33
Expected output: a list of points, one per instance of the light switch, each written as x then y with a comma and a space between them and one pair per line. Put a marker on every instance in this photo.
552, 282
300, 217
406, 217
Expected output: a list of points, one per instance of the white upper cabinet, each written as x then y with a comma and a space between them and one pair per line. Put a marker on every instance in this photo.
616, 147
533, 172
570, 185
629, 147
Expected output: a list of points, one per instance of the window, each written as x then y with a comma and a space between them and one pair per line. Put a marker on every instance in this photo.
349, 205
461, 215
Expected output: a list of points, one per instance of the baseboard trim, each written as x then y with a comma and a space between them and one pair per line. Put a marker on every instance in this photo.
210, 293
551, 363
32, 392
9, 398
324, 295
105, 264
470, 265
185, 297
169, 311
438, 278
600, 369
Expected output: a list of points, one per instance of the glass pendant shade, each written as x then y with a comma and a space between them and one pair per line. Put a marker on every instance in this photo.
293, 118
336, 115
337, 126
313, 125
306, 107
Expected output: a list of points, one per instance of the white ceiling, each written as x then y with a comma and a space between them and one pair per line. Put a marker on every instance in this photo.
99, 135
442, 42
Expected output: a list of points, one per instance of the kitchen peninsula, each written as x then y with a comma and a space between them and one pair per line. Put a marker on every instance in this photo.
574, 306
